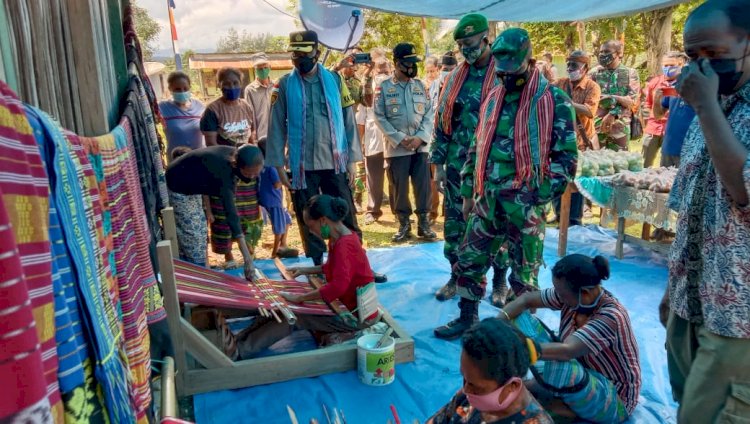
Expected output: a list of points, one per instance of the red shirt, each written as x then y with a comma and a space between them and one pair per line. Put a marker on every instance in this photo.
613, 351
346, 269
655, 126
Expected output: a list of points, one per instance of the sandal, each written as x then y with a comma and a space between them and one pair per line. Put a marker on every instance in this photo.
231, 264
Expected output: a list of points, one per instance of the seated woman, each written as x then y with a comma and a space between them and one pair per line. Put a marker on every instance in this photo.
494, 359
594, 373
346, 269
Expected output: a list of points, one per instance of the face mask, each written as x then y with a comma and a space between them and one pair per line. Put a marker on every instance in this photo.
304, 64
606, 59
489, 402
576, 75
263, 73
409, 72
444, 74
587, 309
325, 231
670, 72
472, 54
231, 93
513, 81
182, 97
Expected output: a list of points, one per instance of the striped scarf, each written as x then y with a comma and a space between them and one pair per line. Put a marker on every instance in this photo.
532, 134
453, 84
296, 117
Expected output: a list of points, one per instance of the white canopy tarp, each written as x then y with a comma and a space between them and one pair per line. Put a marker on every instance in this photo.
515, 10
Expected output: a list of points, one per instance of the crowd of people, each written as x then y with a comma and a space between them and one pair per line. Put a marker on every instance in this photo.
497, 133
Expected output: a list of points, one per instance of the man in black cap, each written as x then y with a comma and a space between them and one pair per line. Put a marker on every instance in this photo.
403, 111
318, 141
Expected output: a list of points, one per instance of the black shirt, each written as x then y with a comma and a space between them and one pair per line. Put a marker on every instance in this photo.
208, 171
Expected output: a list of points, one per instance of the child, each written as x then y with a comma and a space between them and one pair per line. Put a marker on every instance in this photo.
190, 219
270, 197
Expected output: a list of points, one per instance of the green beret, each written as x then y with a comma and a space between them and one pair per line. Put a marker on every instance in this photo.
471, 24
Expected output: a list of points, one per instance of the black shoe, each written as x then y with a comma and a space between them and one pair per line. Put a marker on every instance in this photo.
423, 228
380, 278
404, 230
448, 291
456, 328
499, 288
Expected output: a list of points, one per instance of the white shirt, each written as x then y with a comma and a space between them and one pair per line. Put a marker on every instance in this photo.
373, 138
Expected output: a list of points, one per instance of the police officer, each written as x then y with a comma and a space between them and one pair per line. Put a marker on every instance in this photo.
403, 111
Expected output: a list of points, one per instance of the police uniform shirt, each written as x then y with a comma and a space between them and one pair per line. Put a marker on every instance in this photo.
404, 109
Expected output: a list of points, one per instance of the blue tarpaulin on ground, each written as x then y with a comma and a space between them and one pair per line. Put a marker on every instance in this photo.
515, 10
421, 387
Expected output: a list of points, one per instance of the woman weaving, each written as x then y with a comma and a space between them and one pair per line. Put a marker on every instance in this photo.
346, 270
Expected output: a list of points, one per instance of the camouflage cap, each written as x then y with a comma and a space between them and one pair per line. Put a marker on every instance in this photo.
511, 50
470, 25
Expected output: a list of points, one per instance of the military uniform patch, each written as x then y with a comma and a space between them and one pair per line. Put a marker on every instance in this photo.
419, 107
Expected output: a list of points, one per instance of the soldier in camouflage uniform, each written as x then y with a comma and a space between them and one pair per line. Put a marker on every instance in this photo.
458, 113
521, 158
621, 88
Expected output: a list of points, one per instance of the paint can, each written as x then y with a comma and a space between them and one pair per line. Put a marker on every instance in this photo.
376, 366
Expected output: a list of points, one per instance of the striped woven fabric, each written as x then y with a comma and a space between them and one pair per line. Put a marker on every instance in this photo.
75, 208
133, 272
205, 287
75, 374
154, 303
25, 191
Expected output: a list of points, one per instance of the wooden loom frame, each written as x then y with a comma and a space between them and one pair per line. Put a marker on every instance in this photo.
221, 373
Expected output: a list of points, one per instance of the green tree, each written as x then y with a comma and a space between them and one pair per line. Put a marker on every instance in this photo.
147, 30
236, 42
194, 74
229, 43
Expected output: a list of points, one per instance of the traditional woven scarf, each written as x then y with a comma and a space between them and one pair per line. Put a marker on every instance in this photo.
27, 336
452, 88
532, 134
297, 114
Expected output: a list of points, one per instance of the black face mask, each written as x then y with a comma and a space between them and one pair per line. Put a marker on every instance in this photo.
409, 72
726, 69
605, 59
514, 82
304, 64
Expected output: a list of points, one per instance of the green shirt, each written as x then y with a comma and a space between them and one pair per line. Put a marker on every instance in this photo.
501, 164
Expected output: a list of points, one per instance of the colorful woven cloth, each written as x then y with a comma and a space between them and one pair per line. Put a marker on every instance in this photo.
449, 94
76, 373
29, 303
246, 200
532, 134
77, 208
133, 271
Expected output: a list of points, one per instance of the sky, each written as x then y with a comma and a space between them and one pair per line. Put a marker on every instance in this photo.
200, 23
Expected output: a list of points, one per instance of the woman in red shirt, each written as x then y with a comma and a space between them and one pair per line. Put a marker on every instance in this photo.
346, 269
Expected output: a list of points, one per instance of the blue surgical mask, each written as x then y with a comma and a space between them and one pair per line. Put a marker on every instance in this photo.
444, 74
587, 309
182, 97
231, 93
671, 72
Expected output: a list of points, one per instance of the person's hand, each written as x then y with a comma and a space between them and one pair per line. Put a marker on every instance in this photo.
346, 62
406, 142
698, 84
440, 178
290, 297
285, 180
369, 66
664, 309
249, 269
352, 173
416, 143
467, 207
607, 123
295, 272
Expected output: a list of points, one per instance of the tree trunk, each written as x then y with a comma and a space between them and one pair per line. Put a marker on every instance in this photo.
492, 35
581, 28
659, 26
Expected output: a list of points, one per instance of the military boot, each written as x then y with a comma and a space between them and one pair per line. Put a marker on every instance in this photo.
423, 227
404, 230
456, 328
499, 288
448, 291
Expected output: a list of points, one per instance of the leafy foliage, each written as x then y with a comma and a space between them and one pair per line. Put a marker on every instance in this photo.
147, 30
236, 42
193, 73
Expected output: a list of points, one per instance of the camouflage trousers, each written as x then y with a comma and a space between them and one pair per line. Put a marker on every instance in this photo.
492, 224
455, 225
359, 182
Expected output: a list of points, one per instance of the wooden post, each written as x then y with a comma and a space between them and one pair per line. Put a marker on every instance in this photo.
562, 243
168, 393
170, 228
620, 237
172, 305
646, 231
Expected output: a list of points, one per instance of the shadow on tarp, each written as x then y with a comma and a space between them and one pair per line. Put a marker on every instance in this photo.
421, 387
